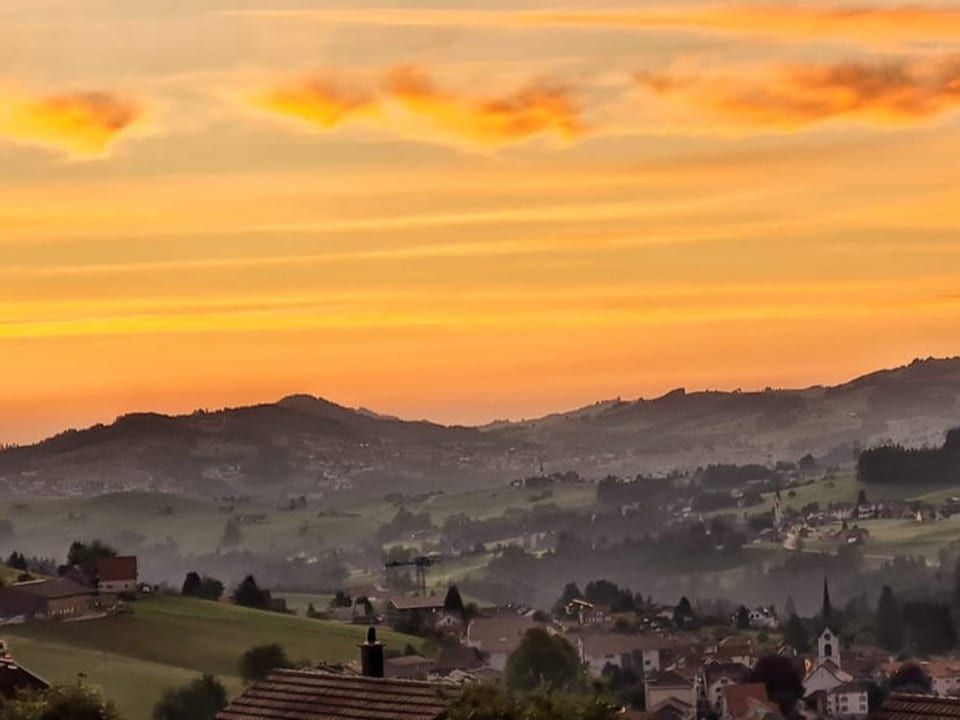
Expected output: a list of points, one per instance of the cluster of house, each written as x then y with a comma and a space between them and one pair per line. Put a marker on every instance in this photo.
74, 595
369, 693
683, 677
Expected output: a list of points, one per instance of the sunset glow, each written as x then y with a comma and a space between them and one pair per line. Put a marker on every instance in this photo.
442, 209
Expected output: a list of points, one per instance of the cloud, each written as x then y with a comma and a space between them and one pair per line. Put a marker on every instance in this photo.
800, 21
81, 124
318, 101
890, 92
409, 102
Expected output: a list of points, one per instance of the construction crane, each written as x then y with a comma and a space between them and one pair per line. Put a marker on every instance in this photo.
421, 563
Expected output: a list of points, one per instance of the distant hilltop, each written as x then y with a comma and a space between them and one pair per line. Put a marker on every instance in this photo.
308, 443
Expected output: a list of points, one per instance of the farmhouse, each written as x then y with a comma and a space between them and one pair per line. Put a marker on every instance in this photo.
57, 599
317, 695
117, 575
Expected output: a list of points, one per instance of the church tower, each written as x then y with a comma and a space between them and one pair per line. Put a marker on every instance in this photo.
828, 647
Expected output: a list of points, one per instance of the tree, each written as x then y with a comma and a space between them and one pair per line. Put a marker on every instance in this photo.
249, 594
17, 561
311, 611
191, 583
795, 634
625, 685
910, 677
683, 614
231, 534
889, 621
206, 588
782, 679
453, 603
257, 662
341, 600
929, 627
201, 699
789, 607
743, 617
210, 589
494, 702
861, 498
85, 556
543, 661
66, 702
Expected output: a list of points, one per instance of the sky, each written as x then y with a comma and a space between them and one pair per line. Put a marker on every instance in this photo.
467, 211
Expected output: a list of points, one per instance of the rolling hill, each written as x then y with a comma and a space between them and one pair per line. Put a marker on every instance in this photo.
167, 641
309, 444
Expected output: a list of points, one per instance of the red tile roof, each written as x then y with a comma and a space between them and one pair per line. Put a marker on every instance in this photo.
117, 569
737, 697
918, 707
312, 695
418, 603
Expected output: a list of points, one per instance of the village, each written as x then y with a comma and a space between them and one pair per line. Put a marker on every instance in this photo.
660, 662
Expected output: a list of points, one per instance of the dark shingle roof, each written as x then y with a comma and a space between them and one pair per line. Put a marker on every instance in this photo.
311, 695
52, 589
918, 707
14, 679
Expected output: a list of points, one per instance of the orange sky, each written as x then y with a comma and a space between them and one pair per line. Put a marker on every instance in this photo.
436, 209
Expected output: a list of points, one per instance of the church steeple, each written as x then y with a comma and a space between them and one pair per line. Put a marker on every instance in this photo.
826, 612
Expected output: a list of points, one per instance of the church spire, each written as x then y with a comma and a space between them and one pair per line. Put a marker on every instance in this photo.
827, 610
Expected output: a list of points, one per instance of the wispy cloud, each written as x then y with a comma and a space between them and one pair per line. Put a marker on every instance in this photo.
888, 92
83, 124
408, 101
804, 21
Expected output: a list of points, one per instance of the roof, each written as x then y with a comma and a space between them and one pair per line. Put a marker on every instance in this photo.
601, 644
501, 633
312, 695
917, 707
430, 602
732, 671
15, 602
669, 679
117, 569
737, 698
52, 589
408, 660
458, 657
14, 679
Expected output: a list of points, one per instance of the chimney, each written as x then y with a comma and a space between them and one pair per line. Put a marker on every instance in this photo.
371, 656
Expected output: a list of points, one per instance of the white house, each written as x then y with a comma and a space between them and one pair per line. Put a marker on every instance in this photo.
662, 687
944, 678
848, 701
716, 677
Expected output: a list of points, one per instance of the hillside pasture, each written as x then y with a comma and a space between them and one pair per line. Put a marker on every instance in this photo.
165, 641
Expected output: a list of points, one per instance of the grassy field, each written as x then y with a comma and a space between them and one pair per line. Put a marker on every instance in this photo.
168, 640
844, 488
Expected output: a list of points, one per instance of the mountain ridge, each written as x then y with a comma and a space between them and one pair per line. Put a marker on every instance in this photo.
307, 443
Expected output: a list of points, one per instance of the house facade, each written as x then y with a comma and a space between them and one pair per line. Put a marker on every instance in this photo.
117, 575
